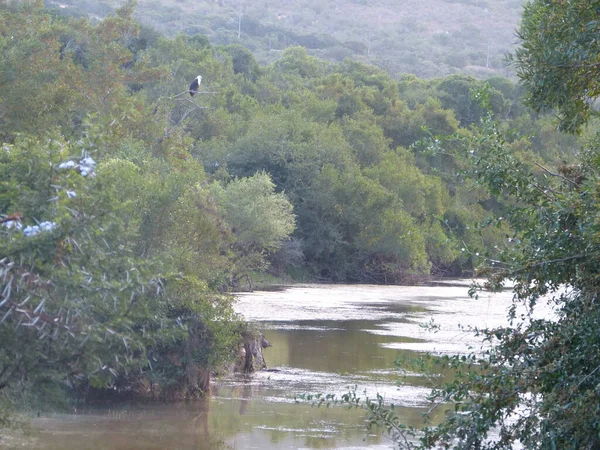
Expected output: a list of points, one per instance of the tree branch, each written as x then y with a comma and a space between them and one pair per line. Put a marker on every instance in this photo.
558, 175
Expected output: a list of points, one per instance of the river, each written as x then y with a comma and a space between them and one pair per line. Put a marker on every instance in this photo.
326, 339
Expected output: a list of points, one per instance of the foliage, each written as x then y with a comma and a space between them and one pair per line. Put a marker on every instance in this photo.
260, 220
536, 384
300, 120
69, 302
558, 59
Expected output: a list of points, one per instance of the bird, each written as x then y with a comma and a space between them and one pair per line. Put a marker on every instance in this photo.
195, 85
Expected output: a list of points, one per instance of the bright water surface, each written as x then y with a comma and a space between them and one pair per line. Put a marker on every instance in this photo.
326, 338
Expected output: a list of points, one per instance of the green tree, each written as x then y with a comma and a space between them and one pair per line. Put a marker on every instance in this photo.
30, 58
101, 306
243, 61
260, 220
106, 302
422, 196
295, 60
457, 93
69, 273
368, 142
357, 229
558, 60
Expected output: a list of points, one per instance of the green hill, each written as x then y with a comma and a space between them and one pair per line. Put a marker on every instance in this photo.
429, 38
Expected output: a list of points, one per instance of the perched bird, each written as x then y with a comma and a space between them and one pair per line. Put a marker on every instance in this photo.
195, 85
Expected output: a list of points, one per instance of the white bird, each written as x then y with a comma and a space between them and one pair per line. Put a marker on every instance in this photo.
195, 85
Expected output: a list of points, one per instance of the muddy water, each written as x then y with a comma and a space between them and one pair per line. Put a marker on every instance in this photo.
326, 339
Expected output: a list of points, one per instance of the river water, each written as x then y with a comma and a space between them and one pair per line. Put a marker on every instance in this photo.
326, 339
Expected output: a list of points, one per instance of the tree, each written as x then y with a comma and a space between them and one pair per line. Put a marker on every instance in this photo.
296, 60
424, 197
559, 59
456, 93
30, 60
243, 61
260, 220
72, 287
367, 140
84, 304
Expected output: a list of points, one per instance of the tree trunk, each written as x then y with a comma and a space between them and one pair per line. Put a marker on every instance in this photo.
253, 352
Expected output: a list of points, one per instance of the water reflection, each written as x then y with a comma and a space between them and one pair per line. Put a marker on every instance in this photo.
326, 339
131, 426
329, 346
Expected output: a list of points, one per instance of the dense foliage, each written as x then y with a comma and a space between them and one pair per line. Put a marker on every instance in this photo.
340, 141
558, 59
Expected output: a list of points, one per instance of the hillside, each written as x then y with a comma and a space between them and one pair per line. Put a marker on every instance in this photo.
430, 38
